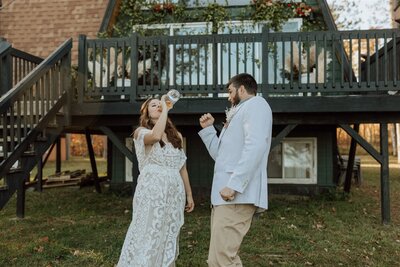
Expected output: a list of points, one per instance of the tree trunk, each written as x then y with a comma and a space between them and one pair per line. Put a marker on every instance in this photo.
393, 138
398, 141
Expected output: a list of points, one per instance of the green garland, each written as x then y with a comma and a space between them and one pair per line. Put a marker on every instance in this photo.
276, 13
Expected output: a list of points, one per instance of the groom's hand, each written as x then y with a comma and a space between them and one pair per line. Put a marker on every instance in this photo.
206, 120
227, 194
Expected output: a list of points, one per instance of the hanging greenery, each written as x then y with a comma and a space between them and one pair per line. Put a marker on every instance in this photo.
274, 12
215, 14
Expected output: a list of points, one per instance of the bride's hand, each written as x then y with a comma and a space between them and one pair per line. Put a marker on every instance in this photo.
164, 105
190, 204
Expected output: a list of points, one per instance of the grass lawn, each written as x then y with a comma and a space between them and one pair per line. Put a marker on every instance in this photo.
78, 227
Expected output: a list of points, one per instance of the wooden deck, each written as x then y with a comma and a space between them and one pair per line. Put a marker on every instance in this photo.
308, 78
298, 110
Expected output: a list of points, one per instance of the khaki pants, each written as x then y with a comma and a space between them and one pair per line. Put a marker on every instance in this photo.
229, 224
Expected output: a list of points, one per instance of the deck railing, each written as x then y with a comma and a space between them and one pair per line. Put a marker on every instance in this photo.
22, 64
382, 67
284, 64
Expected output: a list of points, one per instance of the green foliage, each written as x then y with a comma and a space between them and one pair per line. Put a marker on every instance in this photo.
79, 227
275, 13
215, 14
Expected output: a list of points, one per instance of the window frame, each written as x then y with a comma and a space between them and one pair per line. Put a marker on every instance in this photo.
314, 172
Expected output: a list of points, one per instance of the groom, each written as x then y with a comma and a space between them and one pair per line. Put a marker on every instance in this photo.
240, 174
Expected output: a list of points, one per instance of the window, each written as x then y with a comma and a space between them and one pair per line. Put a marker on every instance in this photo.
293, 161
186, 63
235, 58
193, 64
162, 1
220, 2
197, 3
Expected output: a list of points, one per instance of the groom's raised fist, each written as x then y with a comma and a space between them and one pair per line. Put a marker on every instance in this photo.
206, 120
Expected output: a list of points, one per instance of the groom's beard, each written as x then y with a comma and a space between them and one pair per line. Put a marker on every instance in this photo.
235, 100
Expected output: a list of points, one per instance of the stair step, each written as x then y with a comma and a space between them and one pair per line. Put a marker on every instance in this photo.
15, 170
3, 188
29, 153
52, 125
41, 139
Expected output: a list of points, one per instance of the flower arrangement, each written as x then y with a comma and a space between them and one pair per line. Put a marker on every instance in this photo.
163, 8
303, 10
230, 112
298, 9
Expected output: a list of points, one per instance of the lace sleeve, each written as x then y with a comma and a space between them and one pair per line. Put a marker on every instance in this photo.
182, 159
140, 148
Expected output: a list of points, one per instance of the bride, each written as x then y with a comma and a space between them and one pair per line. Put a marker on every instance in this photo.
159, 200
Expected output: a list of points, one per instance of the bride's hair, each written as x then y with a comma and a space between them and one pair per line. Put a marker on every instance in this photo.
170, 129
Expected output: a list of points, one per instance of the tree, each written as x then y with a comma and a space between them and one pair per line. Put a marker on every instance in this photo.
355, 14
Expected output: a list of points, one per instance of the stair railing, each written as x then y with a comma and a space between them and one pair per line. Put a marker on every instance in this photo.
14, 66
33, 103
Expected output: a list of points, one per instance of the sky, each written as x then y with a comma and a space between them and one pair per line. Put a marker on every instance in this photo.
372, 13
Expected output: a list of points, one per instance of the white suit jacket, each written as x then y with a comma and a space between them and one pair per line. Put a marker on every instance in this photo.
241, 154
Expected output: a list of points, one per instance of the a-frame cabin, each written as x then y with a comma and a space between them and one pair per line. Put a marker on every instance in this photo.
315, 82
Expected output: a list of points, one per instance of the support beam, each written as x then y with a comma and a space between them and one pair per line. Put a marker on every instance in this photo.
383, 159
350, 162
368, 147
277, 139
115, 140
93, 162
385, 192
46, 158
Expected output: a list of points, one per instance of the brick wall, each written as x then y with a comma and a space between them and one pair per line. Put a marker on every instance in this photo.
40, 26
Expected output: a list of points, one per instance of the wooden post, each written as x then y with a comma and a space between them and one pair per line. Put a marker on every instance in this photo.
39, 183
21, 195
393, 139
82, 67
215, 64
5, 67
109, 158
58, 155
385, 193
264, 46
67, 86
134, 68
92, 162
398, 141
350, 162
41, 163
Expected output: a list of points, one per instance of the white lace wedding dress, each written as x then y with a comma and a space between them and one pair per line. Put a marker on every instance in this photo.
158, 207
